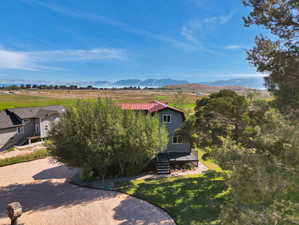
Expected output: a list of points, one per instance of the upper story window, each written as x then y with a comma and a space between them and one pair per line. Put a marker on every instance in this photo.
20, 130
166, 118
177, 140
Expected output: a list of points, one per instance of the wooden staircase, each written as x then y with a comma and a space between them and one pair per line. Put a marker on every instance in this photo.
162, 164
13, 142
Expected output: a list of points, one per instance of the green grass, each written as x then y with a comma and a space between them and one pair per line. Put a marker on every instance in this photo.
208, 163
43, 153
9, 150
19, 101
194, 199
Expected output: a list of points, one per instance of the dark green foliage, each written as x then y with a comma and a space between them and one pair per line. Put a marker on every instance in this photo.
259, 149
263, 179
224, 113
104, 140
279, 58
194, 200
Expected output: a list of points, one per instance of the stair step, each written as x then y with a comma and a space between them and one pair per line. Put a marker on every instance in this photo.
162, 164
164, 172
162, 168
165, 169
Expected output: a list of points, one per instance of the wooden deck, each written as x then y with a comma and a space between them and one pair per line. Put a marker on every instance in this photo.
183, 157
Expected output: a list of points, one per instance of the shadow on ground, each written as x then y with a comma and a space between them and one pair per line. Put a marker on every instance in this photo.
188, 200
58, 172
46, 195
131, 213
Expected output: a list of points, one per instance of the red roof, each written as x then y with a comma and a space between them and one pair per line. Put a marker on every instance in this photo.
150, 107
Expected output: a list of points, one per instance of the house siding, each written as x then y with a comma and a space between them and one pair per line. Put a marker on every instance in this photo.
47, 122
176, 122
29, 127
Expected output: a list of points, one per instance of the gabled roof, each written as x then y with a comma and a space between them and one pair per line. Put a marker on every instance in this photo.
13, 117
36, 112
8, 120
150, 107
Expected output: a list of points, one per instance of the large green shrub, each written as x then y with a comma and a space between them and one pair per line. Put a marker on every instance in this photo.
104, 140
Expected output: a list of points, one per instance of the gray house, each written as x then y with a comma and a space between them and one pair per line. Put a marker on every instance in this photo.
23, 125
177, 150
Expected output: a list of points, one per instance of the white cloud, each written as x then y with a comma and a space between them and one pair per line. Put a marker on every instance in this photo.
33, 60
105, 20
78, 55
233, 47
15, 60
219, 19
190, 31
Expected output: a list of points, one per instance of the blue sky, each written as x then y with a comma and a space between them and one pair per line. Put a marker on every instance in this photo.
73, 40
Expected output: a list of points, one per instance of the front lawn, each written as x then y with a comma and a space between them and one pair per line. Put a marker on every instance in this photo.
208, 163
193, 199
190, 200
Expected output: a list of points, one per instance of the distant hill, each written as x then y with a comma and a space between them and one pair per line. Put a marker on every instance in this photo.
254, 82
205, 88
102, 83
149, 82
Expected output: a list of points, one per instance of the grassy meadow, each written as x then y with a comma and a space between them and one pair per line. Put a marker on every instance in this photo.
67, 98
20, 101
191, 199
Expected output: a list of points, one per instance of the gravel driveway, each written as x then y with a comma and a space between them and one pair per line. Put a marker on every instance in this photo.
48, 199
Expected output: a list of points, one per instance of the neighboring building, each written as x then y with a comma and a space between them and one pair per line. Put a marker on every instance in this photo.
23, 125
177, 151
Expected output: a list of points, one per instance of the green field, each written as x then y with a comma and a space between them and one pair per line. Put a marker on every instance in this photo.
20, 101
193, 199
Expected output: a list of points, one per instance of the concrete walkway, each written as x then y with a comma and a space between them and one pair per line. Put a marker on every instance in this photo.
48, 199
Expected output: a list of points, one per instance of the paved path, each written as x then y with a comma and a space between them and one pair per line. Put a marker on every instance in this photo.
48, 199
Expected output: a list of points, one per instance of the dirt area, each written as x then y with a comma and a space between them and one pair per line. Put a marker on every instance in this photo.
114, 94
22, 150
48, 199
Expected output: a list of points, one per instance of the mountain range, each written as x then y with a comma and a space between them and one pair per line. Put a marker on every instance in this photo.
256, 82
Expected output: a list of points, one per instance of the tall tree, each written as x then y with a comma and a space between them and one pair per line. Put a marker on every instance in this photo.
279, 56
104, 140
224, 113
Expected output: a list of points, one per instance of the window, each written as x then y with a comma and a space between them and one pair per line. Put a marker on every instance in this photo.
46, 127
20, 130
177, 140
166, 118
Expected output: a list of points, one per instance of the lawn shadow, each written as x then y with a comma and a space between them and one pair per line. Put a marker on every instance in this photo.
47, 195
195, 200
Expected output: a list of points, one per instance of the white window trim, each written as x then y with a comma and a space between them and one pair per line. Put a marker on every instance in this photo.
175, 142
169, 117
